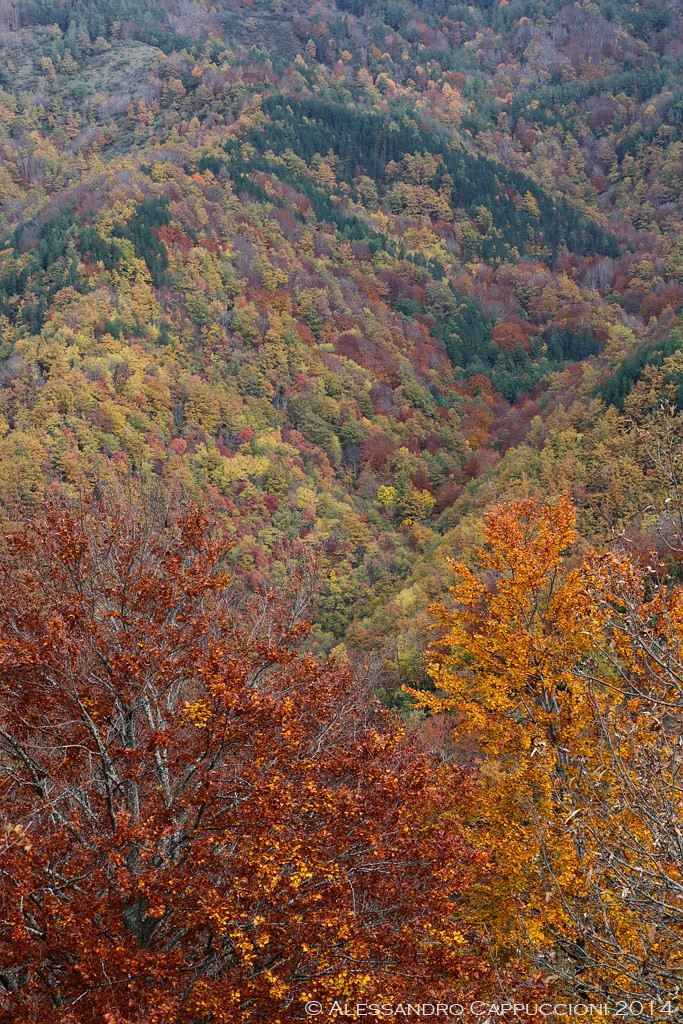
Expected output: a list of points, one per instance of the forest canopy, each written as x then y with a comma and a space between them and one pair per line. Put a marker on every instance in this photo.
340, 506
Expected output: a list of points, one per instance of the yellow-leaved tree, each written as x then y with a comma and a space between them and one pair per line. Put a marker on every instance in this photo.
563, 679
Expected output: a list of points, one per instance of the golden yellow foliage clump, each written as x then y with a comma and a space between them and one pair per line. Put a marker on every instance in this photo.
562, 677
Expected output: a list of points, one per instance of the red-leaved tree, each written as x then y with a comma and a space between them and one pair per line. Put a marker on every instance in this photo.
200, 823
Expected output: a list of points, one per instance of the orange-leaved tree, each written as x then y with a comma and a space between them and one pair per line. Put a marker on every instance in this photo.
200, 823
564, 679
504, 668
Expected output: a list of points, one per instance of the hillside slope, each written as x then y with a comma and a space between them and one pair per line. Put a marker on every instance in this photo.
348, 272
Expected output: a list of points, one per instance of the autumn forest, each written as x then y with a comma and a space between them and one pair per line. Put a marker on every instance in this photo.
341, 511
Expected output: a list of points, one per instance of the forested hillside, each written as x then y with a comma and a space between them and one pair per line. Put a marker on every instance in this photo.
343, 282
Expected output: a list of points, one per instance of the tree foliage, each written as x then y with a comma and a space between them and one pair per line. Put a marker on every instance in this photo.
563, 682
198, 820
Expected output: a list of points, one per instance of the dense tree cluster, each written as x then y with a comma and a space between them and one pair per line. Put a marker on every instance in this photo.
344, 276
